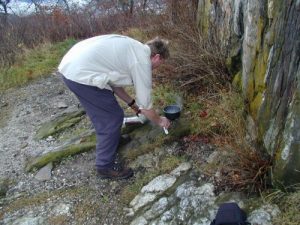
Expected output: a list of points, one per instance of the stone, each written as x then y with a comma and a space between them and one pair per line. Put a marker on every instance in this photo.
62, 209
141, 200
44, 173
159, 184
29, 221
139, 221
212, 157
168, 215
61, 105
157, 208
129, 212
182, 168
264, 215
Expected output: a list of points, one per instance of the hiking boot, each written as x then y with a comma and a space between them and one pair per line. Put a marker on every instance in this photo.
116, 172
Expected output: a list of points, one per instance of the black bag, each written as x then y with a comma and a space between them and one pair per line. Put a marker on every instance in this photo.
230, 214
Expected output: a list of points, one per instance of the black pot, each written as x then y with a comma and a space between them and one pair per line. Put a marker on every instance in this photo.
172, 112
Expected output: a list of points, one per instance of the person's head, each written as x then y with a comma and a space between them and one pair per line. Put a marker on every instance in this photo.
159, 51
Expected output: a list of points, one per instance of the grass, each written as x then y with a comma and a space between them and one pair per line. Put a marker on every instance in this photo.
218, 119
166, 94
217, 115
289, 206
38, 199
86, 203
288, 203
34, 63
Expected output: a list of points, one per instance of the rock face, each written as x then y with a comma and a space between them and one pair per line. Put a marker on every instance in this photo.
178, 198
262, 43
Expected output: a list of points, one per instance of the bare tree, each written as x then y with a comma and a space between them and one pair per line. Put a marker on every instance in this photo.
66, 4
144, 5
195, 8
4, 4
37, 5
127, 6
174, 11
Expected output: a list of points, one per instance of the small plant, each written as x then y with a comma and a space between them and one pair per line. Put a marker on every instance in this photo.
244, 169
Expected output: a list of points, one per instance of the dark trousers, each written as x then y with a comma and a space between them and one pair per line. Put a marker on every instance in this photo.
107, 117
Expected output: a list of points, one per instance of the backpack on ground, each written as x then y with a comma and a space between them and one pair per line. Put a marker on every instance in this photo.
230, 214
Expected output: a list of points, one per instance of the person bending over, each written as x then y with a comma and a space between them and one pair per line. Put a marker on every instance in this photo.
97, 69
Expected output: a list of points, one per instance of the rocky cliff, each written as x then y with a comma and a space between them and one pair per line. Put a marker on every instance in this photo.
262, 43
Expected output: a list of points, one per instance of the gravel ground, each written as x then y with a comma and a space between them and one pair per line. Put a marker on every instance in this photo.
74, 194
24, 110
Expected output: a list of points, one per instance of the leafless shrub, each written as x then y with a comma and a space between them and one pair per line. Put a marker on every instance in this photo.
10, 45
56, 23
245, 169
197, 61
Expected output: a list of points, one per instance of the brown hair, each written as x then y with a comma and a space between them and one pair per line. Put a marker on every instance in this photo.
159, 46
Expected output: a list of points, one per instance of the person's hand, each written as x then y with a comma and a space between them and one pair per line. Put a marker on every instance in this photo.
164, 122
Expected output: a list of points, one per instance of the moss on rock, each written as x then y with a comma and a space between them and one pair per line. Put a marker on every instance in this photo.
203, 13
237, 81
4, 183
149, 137
59, 124
255, 105
58, 155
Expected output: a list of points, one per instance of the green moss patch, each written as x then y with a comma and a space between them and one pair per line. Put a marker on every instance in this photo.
149, 137
58, 155
59, 124
255, 105
4, 184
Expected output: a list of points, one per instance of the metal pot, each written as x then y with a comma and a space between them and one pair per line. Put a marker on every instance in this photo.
172, 112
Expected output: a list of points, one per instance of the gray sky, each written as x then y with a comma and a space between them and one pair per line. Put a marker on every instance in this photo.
20, 7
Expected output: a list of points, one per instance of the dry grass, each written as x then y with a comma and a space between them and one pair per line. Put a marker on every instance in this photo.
245, 169
289, 204
219, 120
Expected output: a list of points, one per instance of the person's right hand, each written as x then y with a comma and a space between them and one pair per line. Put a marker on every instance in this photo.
164, 122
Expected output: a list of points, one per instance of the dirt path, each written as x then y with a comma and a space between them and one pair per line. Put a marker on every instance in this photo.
73, 195
23, 110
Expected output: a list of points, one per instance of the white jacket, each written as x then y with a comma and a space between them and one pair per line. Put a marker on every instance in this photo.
111, 60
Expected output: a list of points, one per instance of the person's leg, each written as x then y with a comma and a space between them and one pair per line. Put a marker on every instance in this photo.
106, 115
